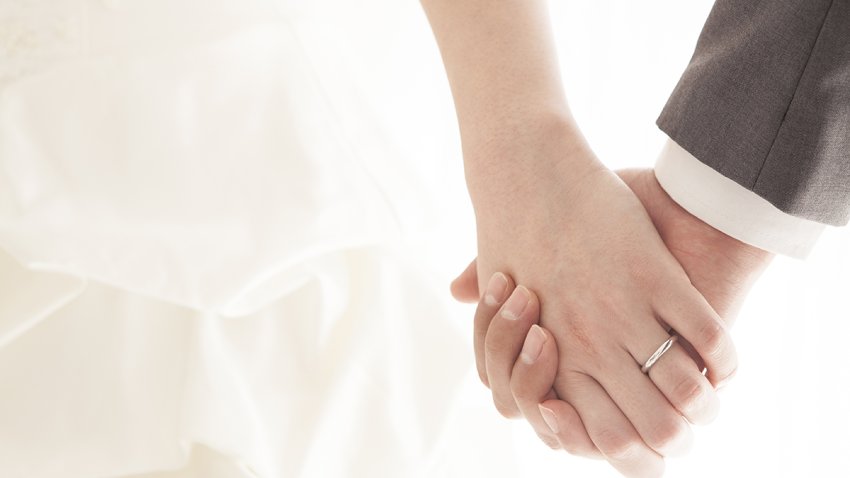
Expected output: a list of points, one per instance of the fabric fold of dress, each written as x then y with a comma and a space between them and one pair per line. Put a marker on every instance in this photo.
202, 272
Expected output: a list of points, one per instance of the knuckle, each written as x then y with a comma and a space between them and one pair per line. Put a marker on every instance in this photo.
616, 445
713, 337
687, 394
665, 435
583, 338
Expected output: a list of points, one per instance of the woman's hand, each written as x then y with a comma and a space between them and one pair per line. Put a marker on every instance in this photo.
532, 356
722, 268
609, 291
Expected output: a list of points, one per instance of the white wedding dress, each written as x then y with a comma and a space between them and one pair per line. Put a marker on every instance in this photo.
203, 263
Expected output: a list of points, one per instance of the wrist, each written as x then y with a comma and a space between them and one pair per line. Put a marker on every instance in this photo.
742, 261
520, 161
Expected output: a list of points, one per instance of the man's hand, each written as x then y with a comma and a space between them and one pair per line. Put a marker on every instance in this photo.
722, 268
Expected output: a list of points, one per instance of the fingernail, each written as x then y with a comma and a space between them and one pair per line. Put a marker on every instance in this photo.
516, 304
549, 418
533, 344
496, 289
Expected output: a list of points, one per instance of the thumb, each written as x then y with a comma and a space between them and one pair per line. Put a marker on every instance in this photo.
465, 286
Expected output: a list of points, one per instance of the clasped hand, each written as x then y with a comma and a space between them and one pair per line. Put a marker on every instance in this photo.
607, 292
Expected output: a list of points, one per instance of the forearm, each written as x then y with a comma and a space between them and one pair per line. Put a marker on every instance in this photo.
502, 67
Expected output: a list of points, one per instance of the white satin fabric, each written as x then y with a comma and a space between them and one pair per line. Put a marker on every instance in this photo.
202, 256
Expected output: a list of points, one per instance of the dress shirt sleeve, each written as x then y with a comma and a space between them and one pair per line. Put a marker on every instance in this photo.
731, 208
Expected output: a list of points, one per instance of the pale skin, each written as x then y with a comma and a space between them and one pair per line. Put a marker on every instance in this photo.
552, 217
722, 267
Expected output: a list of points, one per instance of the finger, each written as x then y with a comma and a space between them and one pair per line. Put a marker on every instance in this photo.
677, 376
660, 425
465, 286
688, 313
683, 342
498, 289
531, 383
686, 388
611, 432
503, 343
571, 434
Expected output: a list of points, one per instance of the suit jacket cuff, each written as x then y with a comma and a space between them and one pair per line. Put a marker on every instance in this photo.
730, 207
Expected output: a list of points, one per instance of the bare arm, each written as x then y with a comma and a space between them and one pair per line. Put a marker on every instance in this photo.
502, 67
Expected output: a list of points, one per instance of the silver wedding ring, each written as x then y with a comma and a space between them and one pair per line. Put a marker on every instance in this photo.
658, 353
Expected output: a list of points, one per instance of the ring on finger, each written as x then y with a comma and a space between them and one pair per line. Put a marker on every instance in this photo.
659, 352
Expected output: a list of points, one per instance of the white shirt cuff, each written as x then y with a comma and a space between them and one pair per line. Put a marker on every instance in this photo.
731, 208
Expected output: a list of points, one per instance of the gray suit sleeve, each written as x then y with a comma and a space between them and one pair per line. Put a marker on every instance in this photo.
765, 101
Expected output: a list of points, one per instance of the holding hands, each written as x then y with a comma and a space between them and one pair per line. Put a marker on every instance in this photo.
609, 266
593, 399
613, 295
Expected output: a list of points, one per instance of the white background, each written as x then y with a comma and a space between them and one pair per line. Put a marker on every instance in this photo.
788, 411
